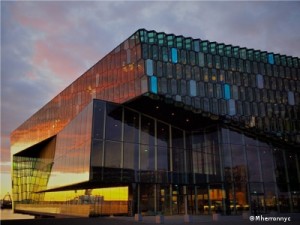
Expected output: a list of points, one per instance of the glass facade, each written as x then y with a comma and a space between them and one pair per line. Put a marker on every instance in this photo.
166, 124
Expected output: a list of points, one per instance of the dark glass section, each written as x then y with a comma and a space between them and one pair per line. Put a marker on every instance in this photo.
99, 110
163, 147
147, 150
97, 154
113, 124
254, 173
178, 154
131, 138
112, 154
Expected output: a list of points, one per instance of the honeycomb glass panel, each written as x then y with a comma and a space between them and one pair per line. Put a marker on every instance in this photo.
231, 107
271, 58
259, 81
291, 98
196, 45
193, 90
227, 91
220, 48
153, 84
149, 67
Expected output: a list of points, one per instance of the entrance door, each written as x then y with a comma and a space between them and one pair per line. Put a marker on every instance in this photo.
202, 200
257, 203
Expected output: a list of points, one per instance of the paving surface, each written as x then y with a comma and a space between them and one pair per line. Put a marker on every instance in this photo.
151, 220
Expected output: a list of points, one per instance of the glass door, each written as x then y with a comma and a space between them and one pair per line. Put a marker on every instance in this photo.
257, 203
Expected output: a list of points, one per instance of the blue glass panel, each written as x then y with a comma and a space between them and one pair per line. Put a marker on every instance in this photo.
149, 67
291, 98
197, 46
153, 84
260, 81
226, 91
271, 58
231, 107
174, 55
193, 91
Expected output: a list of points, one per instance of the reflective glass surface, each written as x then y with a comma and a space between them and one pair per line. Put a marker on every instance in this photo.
171, 120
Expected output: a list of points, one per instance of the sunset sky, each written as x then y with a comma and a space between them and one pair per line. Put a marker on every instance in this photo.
47, 45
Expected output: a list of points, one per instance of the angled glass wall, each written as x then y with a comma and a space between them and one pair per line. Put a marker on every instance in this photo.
116, 77
222, 170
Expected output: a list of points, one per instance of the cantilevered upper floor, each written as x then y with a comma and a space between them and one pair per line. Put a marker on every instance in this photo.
251, 89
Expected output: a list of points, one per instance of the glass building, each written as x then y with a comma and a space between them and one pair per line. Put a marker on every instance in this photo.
165, 124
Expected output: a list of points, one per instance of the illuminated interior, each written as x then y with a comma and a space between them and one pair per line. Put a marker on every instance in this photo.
106, 194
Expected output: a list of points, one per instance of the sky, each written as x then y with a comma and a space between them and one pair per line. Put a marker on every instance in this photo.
47, 45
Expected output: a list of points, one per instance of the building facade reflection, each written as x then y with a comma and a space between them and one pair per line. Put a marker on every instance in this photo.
165, 124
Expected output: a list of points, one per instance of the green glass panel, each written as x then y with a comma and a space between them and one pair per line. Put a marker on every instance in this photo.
243, 53
179, 40
250, 54
212, 48
188, 43
289, 61
295, 62
161, 38
151, 37
264, 57
204, 46
257, 56
228, 50
236, 52
143, 36
170, 40
283, 60
221, 49
277, 59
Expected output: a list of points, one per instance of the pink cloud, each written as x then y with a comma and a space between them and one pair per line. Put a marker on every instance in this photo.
65, 60
42, 16
65, 56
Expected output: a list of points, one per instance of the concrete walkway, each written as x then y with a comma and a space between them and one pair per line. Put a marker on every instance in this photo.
151, 220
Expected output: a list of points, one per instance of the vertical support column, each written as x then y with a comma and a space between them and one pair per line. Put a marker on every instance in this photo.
122, 143
171, 170
287, 181
138, 215
155, 198
274, 178
155, 166
187, 217
103, 138
185, 201
138, 198
196, 200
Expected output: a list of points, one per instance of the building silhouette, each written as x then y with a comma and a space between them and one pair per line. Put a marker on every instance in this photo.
165, 124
